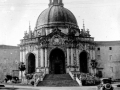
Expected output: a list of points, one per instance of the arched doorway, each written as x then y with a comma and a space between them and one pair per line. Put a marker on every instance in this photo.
31, 63
57, 61
83, 62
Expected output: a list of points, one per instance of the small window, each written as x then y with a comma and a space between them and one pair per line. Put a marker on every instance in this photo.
110, 57
98, 57
112, 69
98, 49
110, 48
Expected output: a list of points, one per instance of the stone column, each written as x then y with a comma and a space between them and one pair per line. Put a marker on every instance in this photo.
21, 55
72, 57
36, 62
21, 59
39, 55
93, 54
41, 59
47, 31
68, 60
69, 56
45, 57
25, 57
68, 63
46, 62
77, 57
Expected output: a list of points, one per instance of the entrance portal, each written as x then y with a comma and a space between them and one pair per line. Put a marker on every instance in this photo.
57, 62
83, 62
31, 63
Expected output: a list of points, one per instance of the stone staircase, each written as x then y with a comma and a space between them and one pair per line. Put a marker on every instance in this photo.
55, 80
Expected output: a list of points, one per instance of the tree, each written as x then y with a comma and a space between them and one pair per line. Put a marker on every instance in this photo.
8, 77
21, 67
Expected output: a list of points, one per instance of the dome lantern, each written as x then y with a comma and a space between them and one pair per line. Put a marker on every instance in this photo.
55, 2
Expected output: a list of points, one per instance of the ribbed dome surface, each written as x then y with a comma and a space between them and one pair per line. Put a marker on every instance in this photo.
56, 15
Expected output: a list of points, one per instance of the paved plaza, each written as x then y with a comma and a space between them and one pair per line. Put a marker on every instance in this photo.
15, 87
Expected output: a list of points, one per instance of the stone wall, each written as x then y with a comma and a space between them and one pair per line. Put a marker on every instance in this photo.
9, 59
108, 57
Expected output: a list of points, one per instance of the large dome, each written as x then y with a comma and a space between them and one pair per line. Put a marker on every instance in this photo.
56, 15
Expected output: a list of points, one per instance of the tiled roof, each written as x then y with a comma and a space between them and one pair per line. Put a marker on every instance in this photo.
8, 47
107, 43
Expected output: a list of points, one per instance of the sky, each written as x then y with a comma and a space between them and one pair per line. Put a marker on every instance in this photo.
101, 17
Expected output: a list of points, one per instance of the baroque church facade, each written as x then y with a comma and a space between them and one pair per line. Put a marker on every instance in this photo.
57, 45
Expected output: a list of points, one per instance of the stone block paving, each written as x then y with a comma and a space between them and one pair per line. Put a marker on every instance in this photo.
15, 87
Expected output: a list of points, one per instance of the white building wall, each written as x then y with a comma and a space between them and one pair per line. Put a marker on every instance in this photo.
109, 60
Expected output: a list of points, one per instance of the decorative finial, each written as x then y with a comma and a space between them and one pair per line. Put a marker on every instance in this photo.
50, 3
30, 32
83, 25
55, 1
29, 26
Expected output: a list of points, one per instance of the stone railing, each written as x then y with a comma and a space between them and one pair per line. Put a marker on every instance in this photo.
84, 78
34, 79
79, 81
74, 77
39, 76
88, 79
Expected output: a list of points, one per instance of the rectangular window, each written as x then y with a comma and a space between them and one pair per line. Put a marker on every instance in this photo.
98, 57
110, 57
110, 48
112, 69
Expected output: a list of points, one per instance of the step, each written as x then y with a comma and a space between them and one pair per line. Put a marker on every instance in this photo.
57, 77
58, 80
58, 83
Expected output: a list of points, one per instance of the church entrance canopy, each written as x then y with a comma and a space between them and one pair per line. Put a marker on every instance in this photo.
83, 62
30, 63
57, 61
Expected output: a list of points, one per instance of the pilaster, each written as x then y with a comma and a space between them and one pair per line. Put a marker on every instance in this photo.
41, 59
46, 61
68, 60
39, 56
21, 56
77, 57
46, 58
69, 56
72, 57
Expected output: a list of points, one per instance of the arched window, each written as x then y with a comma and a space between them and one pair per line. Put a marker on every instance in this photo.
31, 63
83, 62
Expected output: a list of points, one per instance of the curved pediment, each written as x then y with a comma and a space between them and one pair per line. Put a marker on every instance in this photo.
56, 31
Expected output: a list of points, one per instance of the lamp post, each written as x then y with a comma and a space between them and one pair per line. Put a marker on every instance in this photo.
21, 68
